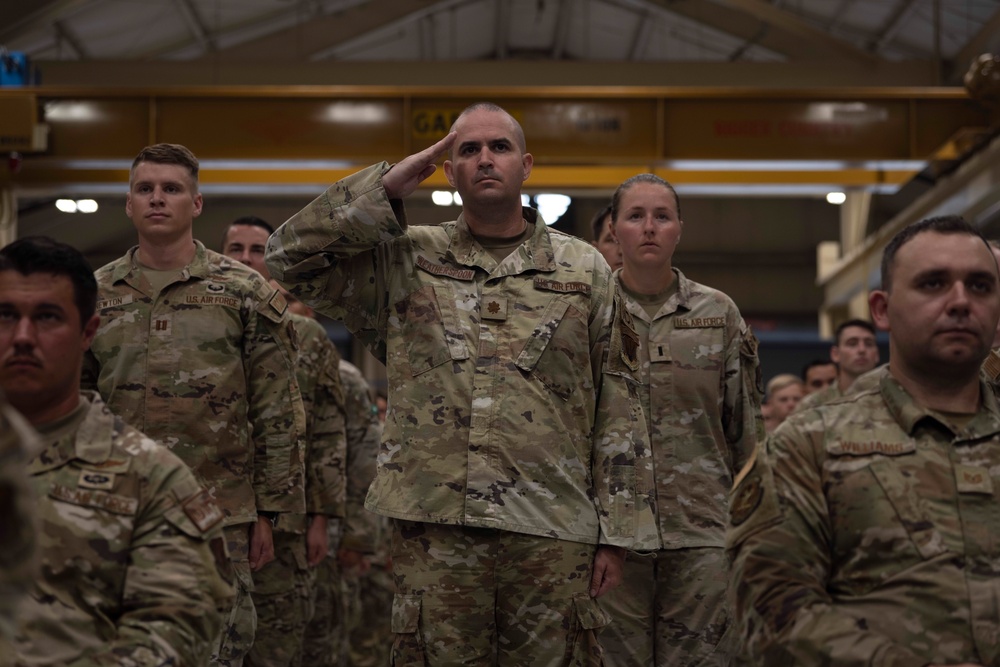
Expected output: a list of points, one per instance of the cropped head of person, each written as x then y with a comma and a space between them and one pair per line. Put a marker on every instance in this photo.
163, 198
48, 299
646, 222
245, 240
488, 164
939, 301
854, 349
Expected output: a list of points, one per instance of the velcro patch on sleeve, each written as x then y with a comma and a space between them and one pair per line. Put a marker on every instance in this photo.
202, 511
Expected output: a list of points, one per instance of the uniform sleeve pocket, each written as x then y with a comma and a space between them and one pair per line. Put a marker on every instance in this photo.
585, 650
430, 330
407, 645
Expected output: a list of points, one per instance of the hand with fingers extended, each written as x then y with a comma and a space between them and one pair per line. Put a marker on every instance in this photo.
404, 176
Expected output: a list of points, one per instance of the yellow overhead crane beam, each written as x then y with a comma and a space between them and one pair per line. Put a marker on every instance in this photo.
581, 137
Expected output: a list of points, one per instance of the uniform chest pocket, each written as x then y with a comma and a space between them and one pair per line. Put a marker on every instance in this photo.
558, 348
430, 329
899, 491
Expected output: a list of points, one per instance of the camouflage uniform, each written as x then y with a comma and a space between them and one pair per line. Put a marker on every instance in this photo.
701, 397
18, 443
128, 573
283, 589
367, 596
325, 639
818, 398
865, 534
190, 367
485, 361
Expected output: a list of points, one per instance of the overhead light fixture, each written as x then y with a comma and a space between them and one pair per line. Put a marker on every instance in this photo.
837, 198
442, 198
552, 207
77, 206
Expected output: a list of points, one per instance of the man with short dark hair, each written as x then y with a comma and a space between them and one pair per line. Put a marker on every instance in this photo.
127, 573
514, 459
195, 349
818, 374
865, 532
855, 352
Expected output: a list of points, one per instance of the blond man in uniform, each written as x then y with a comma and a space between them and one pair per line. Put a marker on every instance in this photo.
195, 349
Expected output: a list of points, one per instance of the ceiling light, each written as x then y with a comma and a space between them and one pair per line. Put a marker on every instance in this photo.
458, 199
66, 205
837, 198
86, 206
552, 207
442, 198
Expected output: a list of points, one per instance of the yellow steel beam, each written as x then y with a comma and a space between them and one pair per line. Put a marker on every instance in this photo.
581, 136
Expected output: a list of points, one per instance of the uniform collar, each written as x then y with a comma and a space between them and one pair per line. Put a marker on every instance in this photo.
535, 253
129, 271
90, 443
680, 300
908, 414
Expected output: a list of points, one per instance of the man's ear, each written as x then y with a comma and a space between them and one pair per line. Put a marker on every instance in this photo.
878, 303
526, 163
90, 330
449, 173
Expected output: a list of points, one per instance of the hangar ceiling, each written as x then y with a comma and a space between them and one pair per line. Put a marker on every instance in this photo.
947, 32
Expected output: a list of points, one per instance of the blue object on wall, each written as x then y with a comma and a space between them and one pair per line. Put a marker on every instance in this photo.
16, 69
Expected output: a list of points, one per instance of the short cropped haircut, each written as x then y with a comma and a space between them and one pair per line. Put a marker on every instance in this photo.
944, 224
41, 254
167, 154
816, 363
616, 198
495, 108
779, 382
597, 222
862, 324
247, 221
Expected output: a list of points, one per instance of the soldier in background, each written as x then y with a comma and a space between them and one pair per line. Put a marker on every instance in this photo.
700, 388
366, 581
283, 589
783, 394
817, 375
194, 350
604, 238
18, 443
494, 330
864, 533
130, 543
855, 352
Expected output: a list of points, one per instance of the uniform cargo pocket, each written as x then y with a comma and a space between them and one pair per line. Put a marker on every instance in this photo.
584, 649
407, 646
